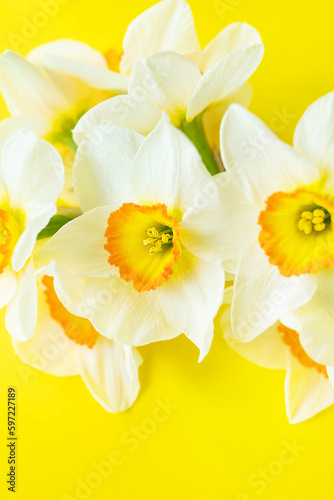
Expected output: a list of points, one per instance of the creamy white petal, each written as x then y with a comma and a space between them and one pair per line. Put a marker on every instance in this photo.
30, 90
37, 217
234, 36
31, 169
307, 392
168, 25
168, 79
50, 350
314, 136
262, 295
260, 164
221, 225
73, 50
191, 298
110, 371
115, 308
168, 169
212, 117
15, 123
8, 286
225, 78
79, 245
102, 167
21, 314
128, 111
315, 320
267, 350
80, 61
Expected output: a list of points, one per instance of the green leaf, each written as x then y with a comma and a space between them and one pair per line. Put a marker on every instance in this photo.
56, 222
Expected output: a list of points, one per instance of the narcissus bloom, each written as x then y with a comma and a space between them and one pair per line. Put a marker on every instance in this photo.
308, 389
293, 235
50, 102
31, 179
185, 86
66, 345
145, 261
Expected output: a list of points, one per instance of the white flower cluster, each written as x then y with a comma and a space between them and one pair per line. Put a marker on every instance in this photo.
139, 198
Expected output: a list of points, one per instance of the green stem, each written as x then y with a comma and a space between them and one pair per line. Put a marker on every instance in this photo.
195, 132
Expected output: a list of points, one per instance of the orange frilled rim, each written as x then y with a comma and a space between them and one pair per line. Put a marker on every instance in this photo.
80, 330
127, 229
291, 250
9, 235
291, 339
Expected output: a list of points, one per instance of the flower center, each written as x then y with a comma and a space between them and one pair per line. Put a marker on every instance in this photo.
318, 220
291, 339
297, 232
157, 239
9, 235
143, 243
80, 330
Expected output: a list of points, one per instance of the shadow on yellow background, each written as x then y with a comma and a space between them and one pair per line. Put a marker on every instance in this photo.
214, 431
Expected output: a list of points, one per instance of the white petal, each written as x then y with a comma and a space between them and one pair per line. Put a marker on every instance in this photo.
79, 245
191, 299
234, 36
314, 135
32, 170
168, 79
102, 172
73, 50
260, 164
37, 216
8, 286
115, 308
225, 78
81, 61
212, 117
50, 350
128, 111
11, 125
168, 169
110, 372
307, 392
21, 314
29, 90
267, 350
315, 320
168, 25
262, 295
209, 229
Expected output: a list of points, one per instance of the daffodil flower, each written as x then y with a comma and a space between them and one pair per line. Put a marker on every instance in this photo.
145, 261
308, 388
185, 86
65, 345
31, 179
50, 102
293, 240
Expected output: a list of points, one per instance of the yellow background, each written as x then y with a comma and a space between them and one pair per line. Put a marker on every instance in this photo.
229, 417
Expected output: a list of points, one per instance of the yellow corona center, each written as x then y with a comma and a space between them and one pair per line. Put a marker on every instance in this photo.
9, 235
297, 231
80, 330
143, 243
291, 339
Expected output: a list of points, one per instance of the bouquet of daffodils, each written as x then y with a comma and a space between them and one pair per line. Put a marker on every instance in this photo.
140, 197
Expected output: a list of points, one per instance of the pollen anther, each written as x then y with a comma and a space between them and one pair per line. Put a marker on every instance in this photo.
316, 220
157, 239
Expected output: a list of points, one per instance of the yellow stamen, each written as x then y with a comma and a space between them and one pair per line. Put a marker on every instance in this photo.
157, 239
313, 220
